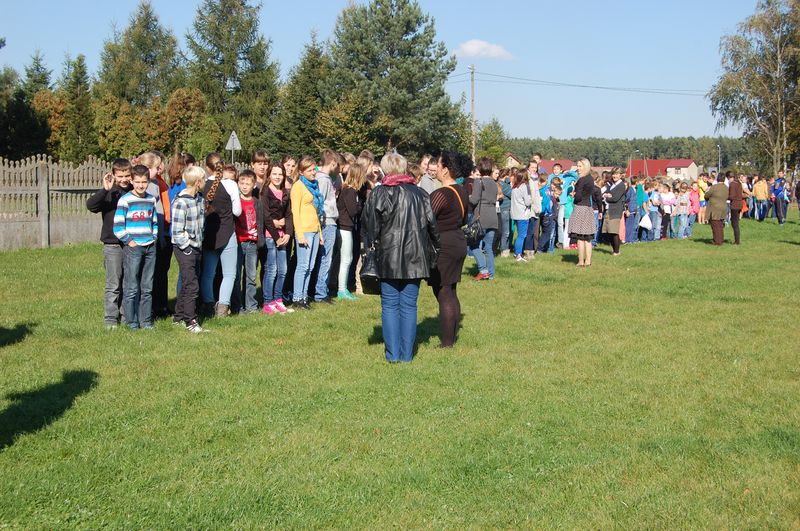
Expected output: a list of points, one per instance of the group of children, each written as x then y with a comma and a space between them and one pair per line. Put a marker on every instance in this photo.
222, 225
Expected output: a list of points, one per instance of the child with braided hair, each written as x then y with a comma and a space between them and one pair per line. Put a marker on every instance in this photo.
220, 245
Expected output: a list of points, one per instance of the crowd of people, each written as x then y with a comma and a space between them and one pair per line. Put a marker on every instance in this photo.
303, 227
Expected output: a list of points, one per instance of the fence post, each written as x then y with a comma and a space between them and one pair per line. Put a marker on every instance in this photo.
43, 178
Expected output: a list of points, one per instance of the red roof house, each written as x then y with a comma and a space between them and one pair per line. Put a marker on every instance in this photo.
546, 166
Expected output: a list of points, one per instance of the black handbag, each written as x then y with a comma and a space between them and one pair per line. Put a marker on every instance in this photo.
473, 231
370, 279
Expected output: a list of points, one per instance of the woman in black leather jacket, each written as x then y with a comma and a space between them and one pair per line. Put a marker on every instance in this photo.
398, 219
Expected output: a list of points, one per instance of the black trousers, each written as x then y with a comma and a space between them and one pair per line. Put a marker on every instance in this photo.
161, 276
189, 265
735, 224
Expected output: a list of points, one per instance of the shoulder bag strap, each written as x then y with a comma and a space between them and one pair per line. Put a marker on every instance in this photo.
460, 202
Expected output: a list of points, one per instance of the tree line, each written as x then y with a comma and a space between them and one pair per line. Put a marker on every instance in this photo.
377, 84
365, 89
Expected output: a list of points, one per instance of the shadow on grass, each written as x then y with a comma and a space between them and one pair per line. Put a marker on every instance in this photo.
427, 329
572, 258
788, 242
11, 336
33, 410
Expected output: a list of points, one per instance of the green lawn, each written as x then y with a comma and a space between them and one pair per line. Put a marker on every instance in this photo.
657, 389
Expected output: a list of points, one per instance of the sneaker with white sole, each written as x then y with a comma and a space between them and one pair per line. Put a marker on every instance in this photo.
521, 258
281, 307
269, 309
194, 327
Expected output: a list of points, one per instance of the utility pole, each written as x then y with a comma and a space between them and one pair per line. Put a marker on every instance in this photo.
472, 98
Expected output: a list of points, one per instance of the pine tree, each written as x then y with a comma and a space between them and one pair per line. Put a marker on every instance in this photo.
230, 65
301, 100
37, 76
387, 51
142, 63
80, 138
491, 141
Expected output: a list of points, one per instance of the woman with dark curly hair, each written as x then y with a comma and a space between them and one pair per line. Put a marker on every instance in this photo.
450, 205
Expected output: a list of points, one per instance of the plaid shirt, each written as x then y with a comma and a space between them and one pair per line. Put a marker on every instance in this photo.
188, 219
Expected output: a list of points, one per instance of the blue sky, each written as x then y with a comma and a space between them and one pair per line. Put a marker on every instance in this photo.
620, 43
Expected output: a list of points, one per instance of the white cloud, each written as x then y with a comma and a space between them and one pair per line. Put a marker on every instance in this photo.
479, 48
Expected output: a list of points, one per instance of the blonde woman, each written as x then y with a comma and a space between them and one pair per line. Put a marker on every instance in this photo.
349, 207
582, 224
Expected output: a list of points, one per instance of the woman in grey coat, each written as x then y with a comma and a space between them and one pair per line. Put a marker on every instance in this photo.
614, 197
484, 200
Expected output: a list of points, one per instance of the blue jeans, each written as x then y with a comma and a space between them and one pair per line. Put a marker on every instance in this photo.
655, 232
596, 229
274, 272
247, 259
140, 266
683, 226
548, 233
228, 256
531, 235
522, 230
761, 210
505, 230
486, 246
399, 318
329, 235
306, 256
690, 224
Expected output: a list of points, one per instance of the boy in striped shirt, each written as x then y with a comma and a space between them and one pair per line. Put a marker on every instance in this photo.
136, 226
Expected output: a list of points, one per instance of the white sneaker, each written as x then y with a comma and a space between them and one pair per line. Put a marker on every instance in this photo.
521, 258
195, 328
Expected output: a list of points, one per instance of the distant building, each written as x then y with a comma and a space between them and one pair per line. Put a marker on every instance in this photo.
683, 170
512, 161
546, 166
674, 169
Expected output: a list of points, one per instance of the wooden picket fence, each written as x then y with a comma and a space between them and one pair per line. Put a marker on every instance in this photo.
43, 202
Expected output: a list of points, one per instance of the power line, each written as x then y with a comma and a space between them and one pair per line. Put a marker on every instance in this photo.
540, 82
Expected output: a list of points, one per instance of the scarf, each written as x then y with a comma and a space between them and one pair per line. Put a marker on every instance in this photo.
319, 201
394, 180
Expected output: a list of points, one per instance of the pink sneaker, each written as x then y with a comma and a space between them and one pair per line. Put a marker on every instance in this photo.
269, 309
280, 308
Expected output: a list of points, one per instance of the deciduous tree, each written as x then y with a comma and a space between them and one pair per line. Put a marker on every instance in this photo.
755, 91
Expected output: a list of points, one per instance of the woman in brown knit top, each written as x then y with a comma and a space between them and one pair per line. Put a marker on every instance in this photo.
450, 205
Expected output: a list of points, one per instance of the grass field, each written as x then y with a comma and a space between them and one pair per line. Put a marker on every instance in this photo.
658, 389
